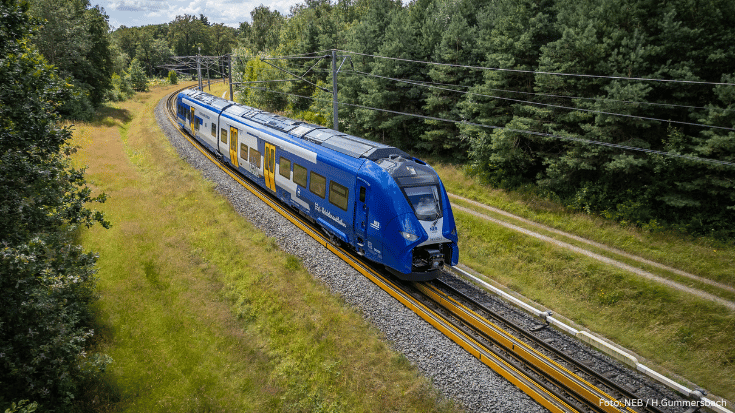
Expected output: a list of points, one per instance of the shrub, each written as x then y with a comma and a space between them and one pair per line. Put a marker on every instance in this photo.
47, 282
138, 79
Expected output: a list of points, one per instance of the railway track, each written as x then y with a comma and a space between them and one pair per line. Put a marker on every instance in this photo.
552, 379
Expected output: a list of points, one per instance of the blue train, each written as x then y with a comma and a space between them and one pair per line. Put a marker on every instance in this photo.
386, 205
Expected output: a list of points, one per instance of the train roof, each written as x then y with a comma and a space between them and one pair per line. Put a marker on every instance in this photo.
341, 142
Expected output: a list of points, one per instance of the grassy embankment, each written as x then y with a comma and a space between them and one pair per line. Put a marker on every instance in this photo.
201, 311
691, 337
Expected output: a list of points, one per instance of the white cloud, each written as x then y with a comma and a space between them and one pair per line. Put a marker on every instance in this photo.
230, 12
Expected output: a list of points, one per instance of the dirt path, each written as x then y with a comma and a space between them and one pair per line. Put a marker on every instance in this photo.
610, 261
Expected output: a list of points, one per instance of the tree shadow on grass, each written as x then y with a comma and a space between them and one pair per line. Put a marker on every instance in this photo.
100, 391
109, 116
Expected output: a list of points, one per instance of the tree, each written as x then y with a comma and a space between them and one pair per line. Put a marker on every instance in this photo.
224, 38
74, 37
365, 36
138, 79
187, 34
456, 32
510, 34
263, 33
47, 282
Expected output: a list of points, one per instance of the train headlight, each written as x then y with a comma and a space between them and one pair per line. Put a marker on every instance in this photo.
409, 236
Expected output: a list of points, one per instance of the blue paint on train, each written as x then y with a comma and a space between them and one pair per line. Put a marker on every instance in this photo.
386, 205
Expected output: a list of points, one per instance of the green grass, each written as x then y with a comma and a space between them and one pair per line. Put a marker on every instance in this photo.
200, 311
670, 331
662, 272
706, 257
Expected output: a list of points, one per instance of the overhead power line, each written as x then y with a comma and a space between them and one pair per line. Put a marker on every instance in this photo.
541, 134
432, 85
537, 72
546, 104
631, 102
667, 105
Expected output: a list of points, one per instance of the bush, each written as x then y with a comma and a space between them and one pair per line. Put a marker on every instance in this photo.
173, 78
138, 79
47, 282
122, 89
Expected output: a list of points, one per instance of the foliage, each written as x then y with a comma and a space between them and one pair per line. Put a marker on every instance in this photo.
46, 281
22, 407
138, 79
249, 67
154, 45
510, 122
122, 88
263, 34
173, 78
188, 36
74, 37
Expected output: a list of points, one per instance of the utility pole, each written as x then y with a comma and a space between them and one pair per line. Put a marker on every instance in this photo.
334, 89
199, 69
232, 97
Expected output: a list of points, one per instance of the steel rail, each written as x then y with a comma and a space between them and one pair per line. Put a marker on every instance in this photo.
546, 359
541, 392
547, 349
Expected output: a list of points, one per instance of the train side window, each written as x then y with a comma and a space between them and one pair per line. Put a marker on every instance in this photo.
214, 130
318, 185
255, 157
223, 135
299, 175
197, 124
243, 151
284, 167
338, 195
362, 194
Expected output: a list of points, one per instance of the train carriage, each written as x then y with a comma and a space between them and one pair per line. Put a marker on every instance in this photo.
386, 205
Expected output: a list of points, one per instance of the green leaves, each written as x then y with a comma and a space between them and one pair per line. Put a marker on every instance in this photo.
46, 281
606, 41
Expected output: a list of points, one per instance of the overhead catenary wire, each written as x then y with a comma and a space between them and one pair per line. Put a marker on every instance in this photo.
632, 102
548, 104
540, 134
432, 86
538, 72
669, 105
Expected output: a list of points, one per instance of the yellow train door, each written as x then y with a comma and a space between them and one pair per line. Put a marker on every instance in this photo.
233, 146
270, 166
193, 119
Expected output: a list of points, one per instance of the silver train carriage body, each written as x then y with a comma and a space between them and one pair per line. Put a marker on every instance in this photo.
386, 205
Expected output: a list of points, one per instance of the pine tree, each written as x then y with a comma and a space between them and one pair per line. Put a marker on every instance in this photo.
458, 46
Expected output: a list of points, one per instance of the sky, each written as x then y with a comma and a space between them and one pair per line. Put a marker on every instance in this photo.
141, 12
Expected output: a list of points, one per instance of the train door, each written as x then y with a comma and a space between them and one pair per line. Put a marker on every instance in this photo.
192, 120
270, 166
361, 214
233, 146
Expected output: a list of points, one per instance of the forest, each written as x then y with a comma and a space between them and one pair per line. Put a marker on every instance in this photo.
620, 108
639, 126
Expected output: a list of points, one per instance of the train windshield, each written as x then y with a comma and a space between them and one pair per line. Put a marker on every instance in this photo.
425, 202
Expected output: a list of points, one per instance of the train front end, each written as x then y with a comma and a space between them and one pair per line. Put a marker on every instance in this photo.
422, 235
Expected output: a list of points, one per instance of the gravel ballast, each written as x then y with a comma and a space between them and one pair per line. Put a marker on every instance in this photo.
454, 372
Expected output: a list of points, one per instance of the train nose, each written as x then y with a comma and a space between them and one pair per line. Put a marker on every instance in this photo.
429, 257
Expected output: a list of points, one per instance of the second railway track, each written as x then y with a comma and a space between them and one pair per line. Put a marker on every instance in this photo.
555, 381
